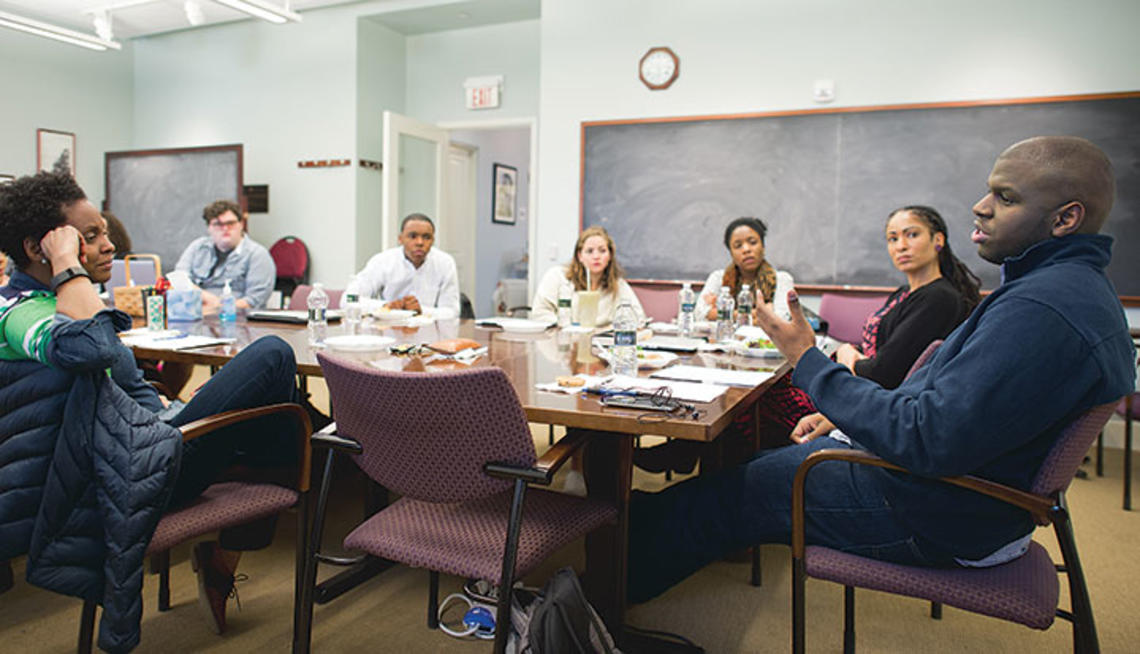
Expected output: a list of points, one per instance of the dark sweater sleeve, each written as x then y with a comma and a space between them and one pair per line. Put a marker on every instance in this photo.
929, 313
993, 396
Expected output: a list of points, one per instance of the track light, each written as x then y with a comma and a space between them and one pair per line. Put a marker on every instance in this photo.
193, 12
263, 10
56, 32
103, 28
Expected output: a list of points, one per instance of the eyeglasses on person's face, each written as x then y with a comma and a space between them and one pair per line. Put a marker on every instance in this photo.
223, 224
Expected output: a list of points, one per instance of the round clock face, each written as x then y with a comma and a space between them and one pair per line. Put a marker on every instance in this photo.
659, 67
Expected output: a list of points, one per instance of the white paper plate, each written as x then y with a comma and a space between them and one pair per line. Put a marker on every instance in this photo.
359, 342
646, 359
392, 314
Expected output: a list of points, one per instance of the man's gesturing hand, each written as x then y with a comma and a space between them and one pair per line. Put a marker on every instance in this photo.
791, 338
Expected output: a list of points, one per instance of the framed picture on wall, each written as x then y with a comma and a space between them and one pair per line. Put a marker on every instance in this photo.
55, 151
504, 200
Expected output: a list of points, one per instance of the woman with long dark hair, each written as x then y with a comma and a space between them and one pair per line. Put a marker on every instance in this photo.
940, 292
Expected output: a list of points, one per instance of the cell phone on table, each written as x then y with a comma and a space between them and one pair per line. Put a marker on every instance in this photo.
637, 402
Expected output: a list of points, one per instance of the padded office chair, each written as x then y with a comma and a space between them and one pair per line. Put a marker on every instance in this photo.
845, 314
457, 448
1128, 409
918, 363
1024, 590
297, 301
228, 505
291, 258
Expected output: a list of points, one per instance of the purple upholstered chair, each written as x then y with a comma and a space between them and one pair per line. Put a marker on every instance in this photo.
1024, 590
1129, 409
227, 505
845, 314
457, 448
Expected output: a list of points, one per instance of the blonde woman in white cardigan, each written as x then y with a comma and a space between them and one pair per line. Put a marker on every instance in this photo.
594, 252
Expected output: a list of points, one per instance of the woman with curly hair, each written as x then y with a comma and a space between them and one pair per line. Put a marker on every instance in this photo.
594, 252
52, 313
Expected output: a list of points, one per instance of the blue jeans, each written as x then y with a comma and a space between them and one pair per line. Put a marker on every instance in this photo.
262, 373
676, 532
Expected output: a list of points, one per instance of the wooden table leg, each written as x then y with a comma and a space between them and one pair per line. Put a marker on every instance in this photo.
1128, 452
609, 475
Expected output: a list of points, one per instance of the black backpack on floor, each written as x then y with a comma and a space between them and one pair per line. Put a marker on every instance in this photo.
557, 620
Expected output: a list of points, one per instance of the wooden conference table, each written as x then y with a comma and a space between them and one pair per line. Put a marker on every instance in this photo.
529, 359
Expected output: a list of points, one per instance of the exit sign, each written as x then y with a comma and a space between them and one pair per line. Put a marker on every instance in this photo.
483, 92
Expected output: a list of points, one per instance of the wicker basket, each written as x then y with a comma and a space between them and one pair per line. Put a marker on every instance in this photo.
128, 299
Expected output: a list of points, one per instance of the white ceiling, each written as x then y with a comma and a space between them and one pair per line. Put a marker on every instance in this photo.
135, 18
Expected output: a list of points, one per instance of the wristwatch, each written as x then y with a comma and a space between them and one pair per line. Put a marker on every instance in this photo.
66, 275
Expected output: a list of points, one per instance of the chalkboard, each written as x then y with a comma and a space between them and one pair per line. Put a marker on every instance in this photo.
825, 182
159, 194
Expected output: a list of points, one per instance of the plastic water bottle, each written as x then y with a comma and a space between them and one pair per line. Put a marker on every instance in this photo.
686, 317
318, 302
624, 352
229, 304
350, 303
784, 283
725, 327
745, 301
565, 299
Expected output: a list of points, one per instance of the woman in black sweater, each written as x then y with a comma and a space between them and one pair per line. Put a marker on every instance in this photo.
940, 292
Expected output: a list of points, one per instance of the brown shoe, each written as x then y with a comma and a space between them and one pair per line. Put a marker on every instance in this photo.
215, 584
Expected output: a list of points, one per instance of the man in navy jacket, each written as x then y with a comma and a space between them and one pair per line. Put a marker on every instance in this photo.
1048, 344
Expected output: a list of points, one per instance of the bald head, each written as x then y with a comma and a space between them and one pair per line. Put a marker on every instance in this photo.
1070, 169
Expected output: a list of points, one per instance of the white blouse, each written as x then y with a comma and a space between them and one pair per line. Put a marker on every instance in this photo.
545, 303
784, 283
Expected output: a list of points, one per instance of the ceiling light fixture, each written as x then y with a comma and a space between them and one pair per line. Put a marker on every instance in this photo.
103, 27
39, 28
193, 12
263, 10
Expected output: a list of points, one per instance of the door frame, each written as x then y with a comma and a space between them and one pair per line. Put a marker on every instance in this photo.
397, 122
532, 192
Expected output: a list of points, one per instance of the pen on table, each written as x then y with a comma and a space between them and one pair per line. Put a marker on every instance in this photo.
172, 337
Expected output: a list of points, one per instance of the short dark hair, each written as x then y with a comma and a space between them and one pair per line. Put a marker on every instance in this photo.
32, 206
219, 207
416, 216
755, 224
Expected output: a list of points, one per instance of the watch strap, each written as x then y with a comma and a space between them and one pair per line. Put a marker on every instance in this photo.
66, 275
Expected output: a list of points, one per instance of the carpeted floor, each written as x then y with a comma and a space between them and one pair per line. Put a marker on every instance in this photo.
716, 608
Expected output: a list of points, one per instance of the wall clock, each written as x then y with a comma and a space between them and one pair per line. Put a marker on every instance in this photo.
659, 68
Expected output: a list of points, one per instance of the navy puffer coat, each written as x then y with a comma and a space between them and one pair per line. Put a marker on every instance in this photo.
85, 475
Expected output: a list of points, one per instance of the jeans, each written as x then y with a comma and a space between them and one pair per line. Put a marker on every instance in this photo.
261, 374
674, 533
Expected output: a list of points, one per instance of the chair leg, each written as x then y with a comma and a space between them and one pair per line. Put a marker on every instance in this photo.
848, 620
507, 577
550, 435
1100, 454
1128, 453
433, 599
302, 622
756, 572
1084, 625
86, 628
7, 579
798, 587
161, 562
936, 610
303, 627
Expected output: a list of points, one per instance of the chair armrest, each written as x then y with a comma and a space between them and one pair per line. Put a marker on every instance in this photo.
203, 426
328, 438
543, 470
1040, 507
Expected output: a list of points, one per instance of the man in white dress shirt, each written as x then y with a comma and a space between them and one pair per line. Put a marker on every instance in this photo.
413, 275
